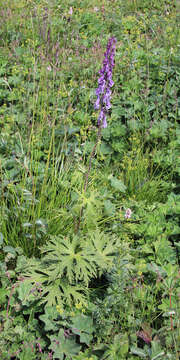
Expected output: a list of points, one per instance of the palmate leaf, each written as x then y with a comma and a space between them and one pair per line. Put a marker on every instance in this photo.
35, 272
102, 249
68, 264
53, 291
58, 292
61, 292
66, 257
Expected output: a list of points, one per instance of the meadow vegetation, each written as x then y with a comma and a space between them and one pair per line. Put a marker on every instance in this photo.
89, 271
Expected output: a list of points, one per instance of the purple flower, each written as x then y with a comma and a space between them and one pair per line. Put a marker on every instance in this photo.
105, 82
102, 119
97, 103
101, 80
111, 83
106, 101
104, 123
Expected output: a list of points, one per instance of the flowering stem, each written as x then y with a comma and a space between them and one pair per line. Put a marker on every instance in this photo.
103, 93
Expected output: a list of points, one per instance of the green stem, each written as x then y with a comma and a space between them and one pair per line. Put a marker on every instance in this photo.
88, 172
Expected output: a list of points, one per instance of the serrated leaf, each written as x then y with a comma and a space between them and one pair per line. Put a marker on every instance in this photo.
68, 259
68, 262
61, 292
103, 249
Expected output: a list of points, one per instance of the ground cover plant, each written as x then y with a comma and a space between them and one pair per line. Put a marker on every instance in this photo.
89, 179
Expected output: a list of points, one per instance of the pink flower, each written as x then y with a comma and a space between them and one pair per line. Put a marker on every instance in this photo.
70, 11
128, 213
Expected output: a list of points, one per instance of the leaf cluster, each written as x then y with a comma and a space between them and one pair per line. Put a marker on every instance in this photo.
68, 264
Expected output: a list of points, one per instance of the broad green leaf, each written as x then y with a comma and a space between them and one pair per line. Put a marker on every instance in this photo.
49, 318
63, 346
83, 326
105, 149
25, 292
109, 208
117, 184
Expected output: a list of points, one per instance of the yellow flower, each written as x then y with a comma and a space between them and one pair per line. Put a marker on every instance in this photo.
78, 305
59, 309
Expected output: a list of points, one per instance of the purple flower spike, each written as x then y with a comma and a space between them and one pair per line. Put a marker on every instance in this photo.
105, 82
104, 123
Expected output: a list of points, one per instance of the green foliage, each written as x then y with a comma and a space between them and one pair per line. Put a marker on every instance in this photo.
119, 348
78, 278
